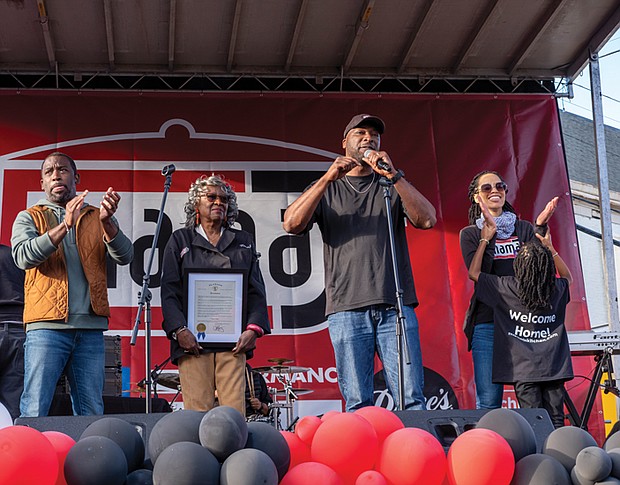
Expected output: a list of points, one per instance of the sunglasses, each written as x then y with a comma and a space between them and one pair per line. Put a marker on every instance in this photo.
486, 188
213, 197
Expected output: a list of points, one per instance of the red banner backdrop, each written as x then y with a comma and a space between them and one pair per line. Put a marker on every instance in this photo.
270, 146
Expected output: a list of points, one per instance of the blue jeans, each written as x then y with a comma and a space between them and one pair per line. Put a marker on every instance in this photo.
356, 335
488, 394
80, 354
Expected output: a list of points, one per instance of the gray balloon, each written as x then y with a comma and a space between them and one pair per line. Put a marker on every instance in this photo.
249, 467
612, 442
264, 437
608, 481
123, 434
173, 428
593, 463
564, 444
615, 462
186, 463
223, 430
577, 479
539, 469
514, 428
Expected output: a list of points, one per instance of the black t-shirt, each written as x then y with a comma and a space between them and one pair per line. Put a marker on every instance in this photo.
356, 247
529, 346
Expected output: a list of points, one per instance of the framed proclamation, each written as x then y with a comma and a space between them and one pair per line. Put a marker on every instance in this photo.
215, 303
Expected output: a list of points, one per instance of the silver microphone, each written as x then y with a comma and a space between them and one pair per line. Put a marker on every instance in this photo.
380, 163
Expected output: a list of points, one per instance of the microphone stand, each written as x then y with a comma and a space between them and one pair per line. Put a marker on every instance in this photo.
144, 296
158, 369
402, 348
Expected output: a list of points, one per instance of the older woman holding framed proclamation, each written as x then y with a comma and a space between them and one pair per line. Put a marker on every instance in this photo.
209, 243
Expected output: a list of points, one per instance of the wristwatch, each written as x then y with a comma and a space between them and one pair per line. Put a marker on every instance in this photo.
399, 174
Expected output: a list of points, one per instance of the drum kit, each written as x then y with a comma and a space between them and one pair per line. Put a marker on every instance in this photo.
169, 380
284, 398
281, 408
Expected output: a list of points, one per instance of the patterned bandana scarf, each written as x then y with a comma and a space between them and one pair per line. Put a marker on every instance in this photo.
505, 224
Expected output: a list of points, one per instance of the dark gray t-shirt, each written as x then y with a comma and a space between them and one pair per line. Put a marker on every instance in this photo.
356, 246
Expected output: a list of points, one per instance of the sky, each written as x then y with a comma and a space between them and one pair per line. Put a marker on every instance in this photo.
609, 65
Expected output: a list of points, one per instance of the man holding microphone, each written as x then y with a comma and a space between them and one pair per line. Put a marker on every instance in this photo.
348, 205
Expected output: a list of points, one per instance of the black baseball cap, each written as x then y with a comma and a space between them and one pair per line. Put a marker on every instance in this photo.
365, 119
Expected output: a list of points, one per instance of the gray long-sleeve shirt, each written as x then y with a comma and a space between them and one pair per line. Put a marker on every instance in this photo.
31, 249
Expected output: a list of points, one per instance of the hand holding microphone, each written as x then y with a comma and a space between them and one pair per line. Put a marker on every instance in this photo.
381, 163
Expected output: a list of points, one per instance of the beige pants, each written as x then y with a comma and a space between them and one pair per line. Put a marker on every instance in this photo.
201, 376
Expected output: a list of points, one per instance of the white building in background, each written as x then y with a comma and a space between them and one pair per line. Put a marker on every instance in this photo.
578, 133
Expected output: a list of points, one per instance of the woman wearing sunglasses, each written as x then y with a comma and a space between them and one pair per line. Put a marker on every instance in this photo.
498, 260
207, 242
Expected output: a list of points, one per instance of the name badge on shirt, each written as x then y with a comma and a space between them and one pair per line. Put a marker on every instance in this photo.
507, 248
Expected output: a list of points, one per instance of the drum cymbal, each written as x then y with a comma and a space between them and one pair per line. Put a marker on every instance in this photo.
135, 389
296, 391
280, 360
170, 380
281, 369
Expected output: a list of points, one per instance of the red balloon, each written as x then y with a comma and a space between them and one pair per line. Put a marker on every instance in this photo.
300, 451
480, 457
329, 414
27, 457
306, 427
410, 456
371, 477
346, 443
311, 473
383, 421
62, 443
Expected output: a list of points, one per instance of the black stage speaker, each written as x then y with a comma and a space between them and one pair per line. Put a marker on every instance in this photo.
61, 405
446, 425
74, 426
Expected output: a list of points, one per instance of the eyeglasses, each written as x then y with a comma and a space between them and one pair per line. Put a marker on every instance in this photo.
213, 197
486, 188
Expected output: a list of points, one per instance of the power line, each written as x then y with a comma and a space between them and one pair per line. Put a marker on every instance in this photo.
603, 95
587, 110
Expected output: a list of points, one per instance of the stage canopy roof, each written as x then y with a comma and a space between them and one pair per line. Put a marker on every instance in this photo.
359, 45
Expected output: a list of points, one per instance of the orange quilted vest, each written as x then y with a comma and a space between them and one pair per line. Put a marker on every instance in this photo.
46, 292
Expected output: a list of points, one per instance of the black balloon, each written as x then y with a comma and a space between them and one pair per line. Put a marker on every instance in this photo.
123, 434
95, 460
539, 469
514, 428
140, 477
186, 463
223, 430
249, 467
264, 437
174, 427
564, 444
593, 463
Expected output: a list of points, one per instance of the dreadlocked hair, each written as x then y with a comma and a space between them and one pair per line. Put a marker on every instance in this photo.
535, 274
474, 208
